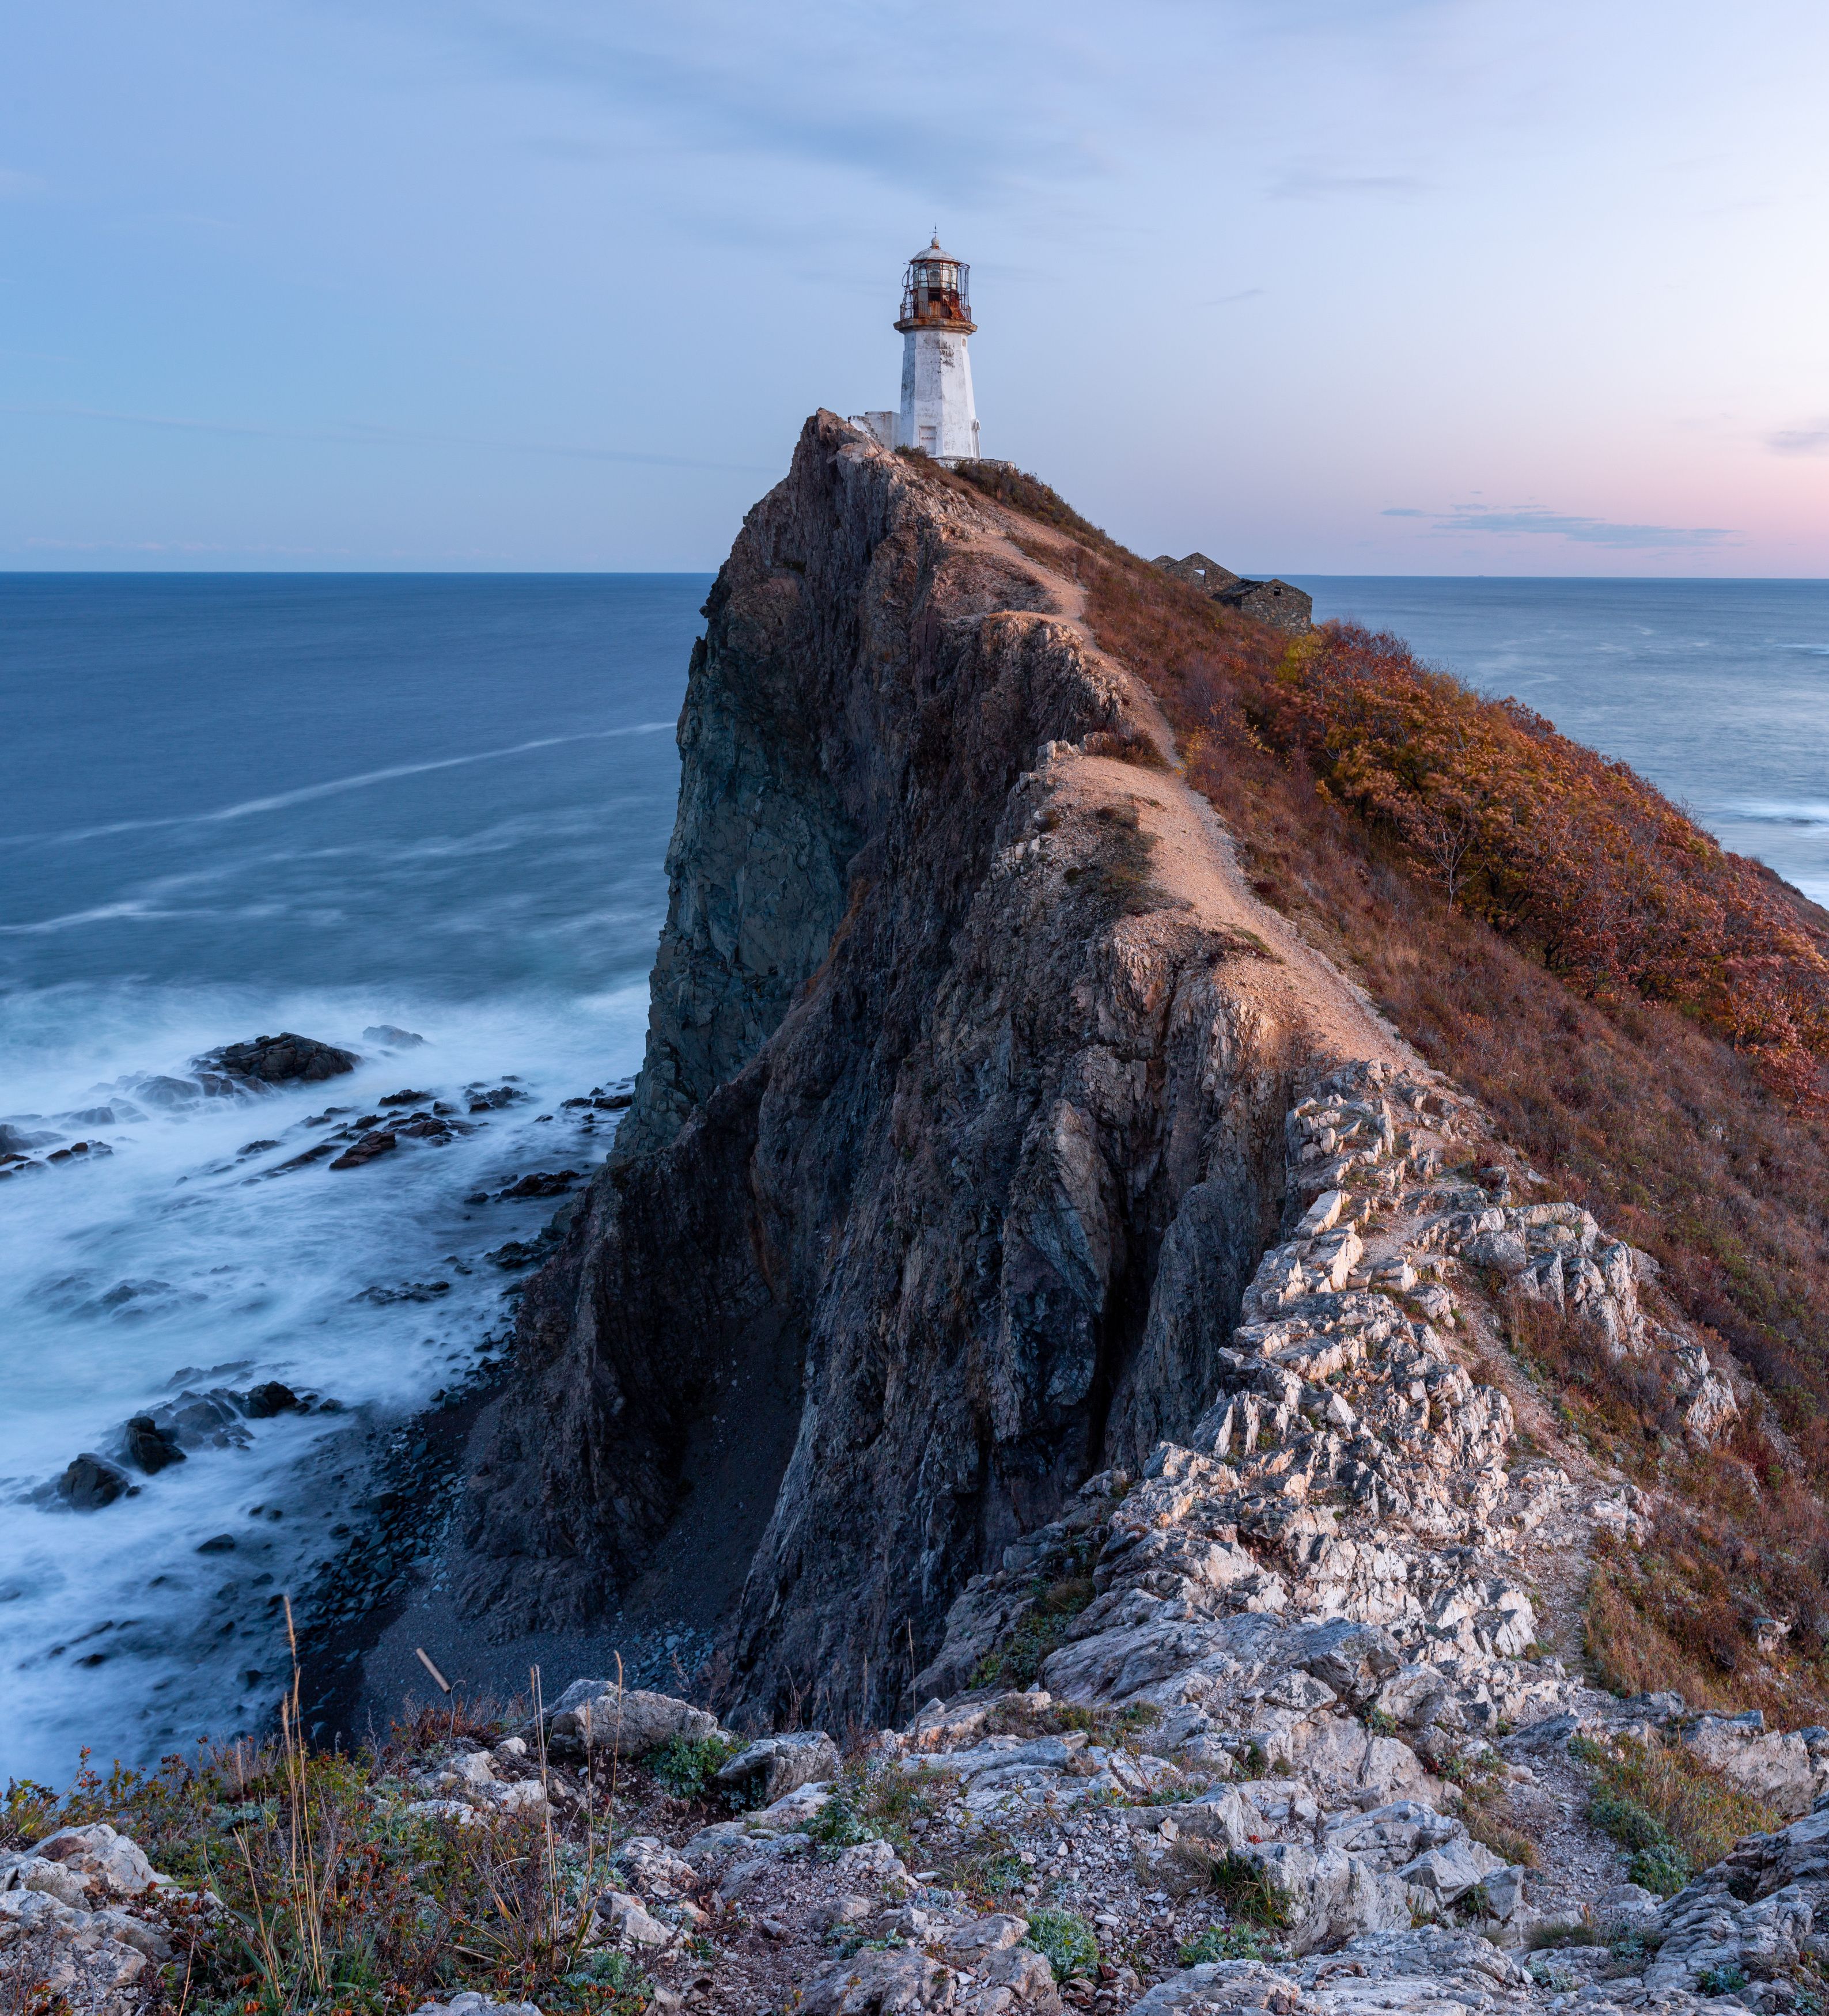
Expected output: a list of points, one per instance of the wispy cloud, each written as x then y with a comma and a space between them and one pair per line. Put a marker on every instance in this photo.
1531, 520
1812, 438
360, 434
1304, 182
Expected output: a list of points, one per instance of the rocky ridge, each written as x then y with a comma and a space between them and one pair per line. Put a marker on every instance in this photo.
1236, 1733
959, 1132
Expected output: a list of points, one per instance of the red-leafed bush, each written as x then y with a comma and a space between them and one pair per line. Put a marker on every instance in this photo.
1551, 844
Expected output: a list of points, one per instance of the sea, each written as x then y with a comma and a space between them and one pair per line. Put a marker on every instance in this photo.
425, 818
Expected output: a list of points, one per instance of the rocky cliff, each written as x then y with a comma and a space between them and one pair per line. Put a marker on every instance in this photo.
960, 1132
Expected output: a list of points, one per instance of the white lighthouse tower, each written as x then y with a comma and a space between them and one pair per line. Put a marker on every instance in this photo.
937, 412
937, 415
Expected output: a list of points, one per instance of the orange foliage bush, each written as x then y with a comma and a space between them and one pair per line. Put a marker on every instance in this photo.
1641, 1108
1550, 843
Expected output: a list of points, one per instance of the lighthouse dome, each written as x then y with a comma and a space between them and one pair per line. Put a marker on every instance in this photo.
936, 291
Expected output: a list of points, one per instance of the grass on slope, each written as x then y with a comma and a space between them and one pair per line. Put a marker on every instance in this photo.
1643, 1085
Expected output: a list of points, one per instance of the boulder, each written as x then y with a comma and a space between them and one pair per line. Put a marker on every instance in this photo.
261, 1402
775, 1766
110, 1864
1776, 1768
91, 1482
630, 1922
1441, 1876
150, 1446
878, 1984
1354, 1659
470, 2003
1330, 1896
286, 1058
626, 1720
385, 1036
378, 1141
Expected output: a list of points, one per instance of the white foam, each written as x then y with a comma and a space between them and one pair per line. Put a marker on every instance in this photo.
267, 1274
282, 800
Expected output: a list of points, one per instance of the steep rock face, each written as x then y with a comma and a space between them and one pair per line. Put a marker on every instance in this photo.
960, 1135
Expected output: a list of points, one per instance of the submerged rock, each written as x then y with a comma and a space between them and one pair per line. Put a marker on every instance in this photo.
385, 1036
380, 1141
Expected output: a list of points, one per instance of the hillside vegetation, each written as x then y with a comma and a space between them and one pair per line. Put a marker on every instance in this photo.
1643, 1014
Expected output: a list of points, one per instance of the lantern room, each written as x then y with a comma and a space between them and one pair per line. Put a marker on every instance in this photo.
936, 292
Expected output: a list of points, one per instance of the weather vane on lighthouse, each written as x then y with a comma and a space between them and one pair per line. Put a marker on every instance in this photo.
938, 414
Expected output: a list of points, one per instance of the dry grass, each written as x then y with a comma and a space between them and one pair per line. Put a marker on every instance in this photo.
1631, 1107
340, 1902
1673, 1812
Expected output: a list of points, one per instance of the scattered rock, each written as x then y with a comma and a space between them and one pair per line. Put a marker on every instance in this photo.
377, 1142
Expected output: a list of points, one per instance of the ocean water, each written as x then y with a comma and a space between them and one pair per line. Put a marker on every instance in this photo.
240, 805
237, 805
1718, 691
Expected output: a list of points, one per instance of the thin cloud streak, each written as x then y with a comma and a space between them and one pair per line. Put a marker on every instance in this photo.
361, 433
1812, 439
1530, 520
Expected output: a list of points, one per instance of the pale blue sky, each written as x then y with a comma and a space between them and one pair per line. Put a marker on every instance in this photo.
1409, 285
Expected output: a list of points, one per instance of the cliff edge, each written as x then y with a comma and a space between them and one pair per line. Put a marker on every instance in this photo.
959, 1136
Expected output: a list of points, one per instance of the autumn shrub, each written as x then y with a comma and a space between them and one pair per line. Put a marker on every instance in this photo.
1667, 1115
1624, 1405
1128, 745
1616, 891
1676, 1609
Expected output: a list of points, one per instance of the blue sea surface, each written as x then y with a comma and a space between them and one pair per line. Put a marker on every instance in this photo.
240, 805
1718, 691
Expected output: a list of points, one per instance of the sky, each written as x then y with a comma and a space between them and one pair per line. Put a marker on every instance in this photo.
1319, 286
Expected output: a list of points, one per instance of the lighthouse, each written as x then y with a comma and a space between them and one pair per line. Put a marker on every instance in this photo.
938, 414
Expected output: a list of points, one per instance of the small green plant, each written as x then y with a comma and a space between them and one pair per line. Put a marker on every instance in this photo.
1379, 1722
1241, 1884
1229, 1942
685, 1766
1558, 1932
1017, 1660
1631, 1947
1729, 1980
1065, 1941
993, 1872
1254, 1762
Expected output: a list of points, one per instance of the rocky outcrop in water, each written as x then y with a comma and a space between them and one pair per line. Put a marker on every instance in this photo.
282, 1059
